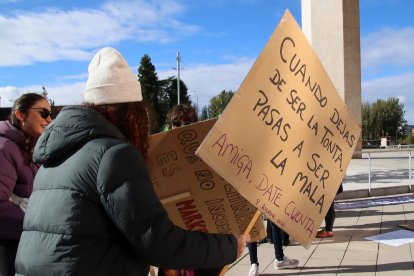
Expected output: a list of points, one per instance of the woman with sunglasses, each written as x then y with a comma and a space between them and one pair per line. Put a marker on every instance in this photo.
29, 117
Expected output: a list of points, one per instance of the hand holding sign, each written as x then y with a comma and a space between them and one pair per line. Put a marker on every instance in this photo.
289, 107
241, 244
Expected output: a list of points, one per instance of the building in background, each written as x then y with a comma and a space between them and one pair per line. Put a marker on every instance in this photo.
333, 29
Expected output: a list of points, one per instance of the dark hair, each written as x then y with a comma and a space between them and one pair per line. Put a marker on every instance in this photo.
23, 103
131, 119
182, 113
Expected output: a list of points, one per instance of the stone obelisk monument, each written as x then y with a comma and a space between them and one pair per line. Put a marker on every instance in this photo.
332, 28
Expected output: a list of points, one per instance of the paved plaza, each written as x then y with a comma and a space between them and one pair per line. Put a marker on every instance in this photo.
349, 251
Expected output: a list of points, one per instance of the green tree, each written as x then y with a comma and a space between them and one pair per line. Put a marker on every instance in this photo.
151, 91
395, 121
159, 96
409, 139
54, 110
170, 92
165, 101
217, 105
204, 113
169, 96
383, 118
370, 130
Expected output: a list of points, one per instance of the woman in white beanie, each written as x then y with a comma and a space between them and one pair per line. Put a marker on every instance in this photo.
93, 210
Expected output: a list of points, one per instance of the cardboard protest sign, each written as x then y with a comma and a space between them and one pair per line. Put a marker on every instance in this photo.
196, 198
286, 137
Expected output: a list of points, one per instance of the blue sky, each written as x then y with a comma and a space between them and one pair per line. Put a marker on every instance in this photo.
50, 43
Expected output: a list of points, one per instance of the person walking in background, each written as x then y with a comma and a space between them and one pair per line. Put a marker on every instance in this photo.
327, 231
269, 238
94, 210
30, 115
281, 261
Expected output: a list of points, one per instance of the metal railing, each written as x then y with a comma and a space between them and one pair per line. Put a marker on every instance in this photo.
390, 149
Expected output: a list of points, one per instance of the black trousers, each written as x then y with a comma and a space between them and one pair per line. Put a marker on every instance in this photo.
270, 234
8, 250
277, 237
330, 218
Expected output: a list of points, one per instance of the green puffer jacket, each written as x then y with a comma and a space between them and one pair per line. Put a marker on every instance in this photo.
93, 210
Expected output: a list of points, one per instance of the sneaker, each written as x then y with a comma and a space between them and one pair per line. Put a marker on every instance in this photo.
254, 270
322, 233
285, 263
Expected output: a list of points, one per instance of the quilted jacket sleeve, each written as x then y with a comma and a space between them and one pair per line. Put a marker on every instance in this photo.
11, 216
130, 200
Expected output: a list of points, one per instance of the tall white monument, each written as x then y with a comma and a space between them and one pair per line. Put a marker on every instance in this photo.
332, 28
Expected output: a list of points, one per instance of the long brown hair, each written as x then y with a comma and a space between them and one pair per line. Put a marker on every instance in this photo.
131, 119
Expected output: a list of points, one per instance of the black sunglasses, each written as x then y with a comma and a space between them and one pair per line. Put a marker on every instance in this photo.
44, 113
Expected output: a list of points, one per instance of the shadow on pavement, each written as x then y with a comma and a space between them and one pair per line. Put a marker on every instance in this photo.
333, 270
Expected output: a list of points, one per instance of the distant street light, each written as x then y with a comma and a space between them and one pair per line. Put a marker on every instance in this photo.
195, 94
178, 77
196, 105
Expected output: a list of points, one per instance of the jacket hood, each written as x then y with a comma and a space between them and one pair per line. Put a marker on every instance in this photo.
72, 128
11, 132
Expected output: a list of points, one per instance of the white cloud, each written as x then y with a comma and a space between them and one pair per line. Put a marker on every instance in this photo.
65, 94
54, 34
205, 81
7, 95
388, 47
394, 86
78, 77
400, 87
68, 94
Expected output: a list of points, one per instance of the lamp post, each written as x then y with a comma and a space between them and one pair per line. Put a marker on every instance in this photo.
195, 94
196, 105
178, 77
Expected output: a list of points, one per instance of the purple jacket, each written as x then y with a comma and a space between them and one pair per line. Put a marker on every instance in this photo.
15, 177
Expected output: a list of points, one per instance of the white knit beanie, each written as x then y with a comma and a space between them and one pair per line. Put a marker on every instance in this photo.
111, 80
